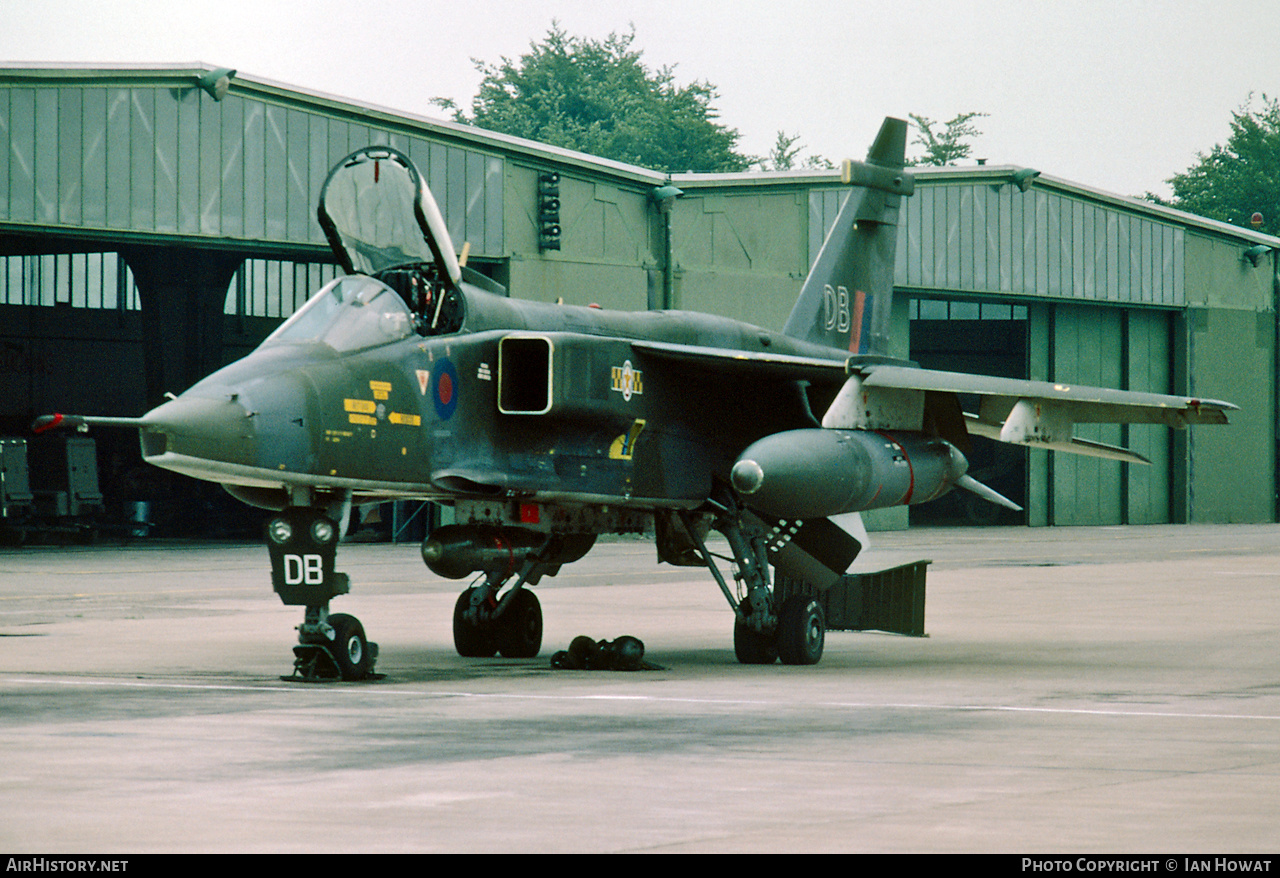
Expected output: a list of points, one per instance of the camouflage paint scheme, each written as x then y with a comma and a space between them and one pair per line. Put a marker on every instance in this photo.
545, 425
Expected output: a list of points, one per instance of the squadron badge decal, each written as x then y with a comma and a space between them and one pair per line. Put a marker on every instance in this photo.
626, 381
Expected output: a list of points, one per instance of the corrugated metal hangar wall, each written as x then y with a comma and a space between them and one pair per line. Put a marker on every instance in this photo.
151, 231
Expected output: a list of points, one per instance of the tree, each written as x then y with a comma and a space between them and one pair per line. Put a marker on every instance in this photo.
598, 97
948, 146
1240, 178
786, 150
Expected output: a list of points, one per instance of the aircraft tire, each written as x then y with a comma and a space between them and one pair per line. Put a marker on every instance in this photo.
469, 639
751, 647
520, 626
350, 647
802, 631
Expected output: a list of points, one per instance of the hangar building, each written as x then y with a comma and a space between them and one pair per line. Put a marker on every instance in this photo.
158, 222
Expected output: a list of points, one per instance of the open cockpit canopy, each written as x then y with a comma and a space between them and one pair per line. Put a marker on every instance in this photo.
378, 213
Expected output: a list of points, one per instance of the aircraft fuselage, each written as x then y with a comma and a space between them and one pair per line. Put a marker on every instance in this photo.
527, 400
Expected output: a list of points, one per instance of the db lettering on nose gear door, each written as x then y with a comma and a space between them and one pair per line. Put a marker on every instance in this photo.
303, 544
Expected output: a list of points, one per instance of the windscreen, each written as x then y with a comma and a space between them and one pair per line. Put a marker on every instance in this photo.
349, 314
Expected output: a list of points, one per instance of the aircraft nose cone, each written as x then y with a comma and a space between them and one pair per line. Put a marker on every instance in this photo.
205, 428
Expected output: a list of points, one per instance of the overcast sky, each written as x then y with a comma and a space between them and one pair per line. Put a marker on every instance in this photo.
1117, 94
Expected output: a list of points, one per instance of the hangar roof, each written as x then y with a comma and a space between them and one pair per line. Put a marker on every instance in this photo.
247, 85
74, 131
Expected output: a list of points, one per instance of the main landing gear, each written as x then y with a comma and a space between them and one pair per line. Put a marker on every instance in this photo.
303, 543
486, 620
482, 626
763, 632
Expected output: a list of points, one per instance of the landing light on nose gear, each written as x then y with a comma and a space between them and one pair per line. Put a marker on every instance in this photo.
303, 543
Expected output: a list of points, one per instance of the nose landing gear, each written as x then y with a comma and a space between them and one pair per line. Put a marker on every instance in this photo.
303, 543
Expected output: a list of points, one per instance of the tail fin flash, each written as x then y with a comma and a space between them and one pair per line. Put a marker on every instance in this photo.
846, 300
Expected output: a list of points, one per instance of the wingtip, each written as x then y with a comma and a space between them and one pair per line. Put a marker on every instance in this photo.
1201, 404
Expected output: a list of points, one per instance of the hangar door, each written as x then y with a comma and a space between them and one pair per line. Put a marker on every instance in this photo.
1087, 344
988, 339
1126, 348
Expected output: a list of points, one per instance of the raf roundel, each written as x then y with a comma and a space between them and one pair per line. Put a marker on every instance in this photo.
444, 389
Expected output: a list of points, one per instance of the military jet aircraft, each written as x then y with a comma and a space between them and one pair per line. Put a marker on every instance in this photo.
544, 426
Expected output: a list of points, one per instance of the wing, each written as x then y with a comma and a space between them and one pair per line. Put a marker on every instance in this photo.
878, 394
1039, 414
1080, 404
781, 366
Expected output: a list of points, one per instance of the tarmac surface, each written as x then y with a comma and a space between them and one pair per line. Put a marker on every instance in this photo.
1109, 690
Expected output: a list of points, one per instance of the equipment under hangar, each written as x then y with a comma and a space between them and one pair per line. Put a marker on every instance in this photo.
157, 222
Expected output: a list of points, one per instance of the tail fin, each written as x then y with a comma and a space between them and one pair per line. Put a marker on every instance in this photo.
846, 300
